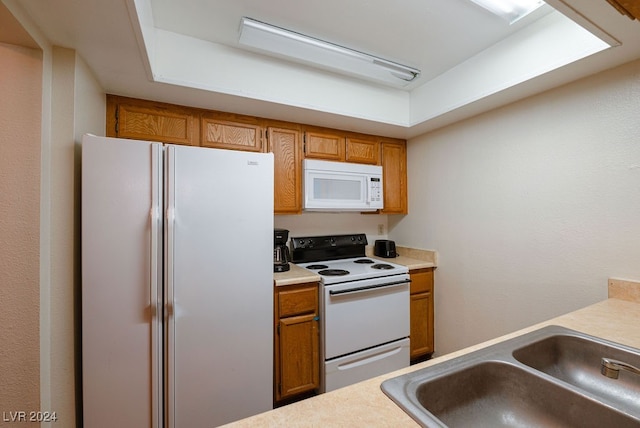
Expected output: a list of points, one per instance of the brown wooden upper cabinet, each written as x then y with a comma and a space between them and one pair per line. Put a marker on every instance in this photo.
362, 150
285, 144
244, 134
394, 177
340, 148
324, 145
147, 120
169, 123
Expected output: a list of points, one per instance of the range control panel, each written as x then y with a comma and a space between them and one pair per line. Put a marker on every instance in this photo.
314, 248
332, 241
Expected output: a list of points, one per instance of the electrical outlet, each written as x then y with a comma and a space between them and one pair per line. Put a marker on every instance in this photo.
381, 229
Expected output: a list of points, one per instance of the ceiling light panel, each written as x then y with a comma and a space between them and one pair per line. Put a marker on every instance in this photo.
511, 10
299, 47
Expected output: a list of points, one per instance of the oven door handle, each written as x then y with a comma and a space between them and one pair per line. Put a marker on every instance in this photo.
369, 287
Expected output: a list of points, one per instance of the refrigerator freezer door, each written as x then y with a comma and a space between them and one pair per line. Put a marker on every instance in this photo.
121, 197
219, 292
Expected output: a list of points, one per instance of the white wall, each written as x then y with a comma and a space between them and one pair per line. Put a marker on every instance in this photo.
193, 63
78, 106
68, 101
314, 224
531, 206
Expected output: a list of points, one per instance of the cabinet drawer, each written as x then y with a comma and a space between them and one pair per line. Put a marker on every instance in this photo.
421, 280
297, 301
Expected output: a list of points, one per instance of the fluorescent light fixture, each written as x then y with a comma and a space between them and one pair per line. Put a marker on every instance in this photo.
303, 48
511, 10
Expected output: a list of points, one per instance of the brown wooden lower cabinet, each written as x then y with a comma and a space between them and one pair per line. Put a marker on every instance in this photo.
421, 310
296, 341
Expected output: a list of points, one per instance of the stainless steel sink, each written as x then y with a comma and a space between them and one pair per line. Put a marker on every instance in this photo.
577, 360
528, 381
499, 394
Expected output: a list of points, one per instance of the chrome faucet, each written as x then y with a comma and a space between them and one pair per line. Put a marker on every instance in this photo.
611, 368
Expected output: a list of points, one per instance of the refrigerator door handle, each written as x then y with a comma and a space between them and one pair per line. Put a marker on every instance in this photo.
170, 238
169, 310
156, 229
154, 220
169, 303
155, 285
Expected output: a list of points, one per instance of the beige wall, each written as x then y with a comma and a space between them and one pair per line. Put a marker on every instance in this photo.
20, 118
78, 106
49, 99
317, 223
531, 207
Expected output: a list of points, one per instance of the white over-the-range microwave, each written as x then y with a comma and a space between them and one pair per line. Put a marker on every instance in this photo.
341, 186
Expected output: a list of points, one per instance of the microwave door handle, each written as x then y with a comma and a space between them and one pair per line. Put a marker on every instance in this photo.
368, 190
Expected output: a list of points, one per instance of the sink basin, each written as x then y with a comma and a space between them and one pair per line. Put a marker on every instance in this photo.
576, 360
549, 377
498, 394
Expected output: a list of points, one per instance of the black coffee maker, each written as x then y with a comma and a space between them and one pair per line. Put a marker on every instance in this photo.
280, 250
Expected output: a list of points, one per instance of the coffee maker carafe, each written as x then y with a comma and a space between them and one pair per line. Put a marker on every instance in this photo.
280, 250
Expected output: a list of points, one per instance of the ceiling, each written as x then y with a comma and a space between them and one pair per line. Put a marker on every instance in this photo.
432, 36
187, 52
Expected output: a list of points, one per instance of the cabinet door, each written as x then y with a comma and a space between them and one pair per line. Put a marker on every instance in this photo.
421, 313
299, 355
165, 123
394, 177
285, 146
324, 146
421, 330
225, 134
360, 150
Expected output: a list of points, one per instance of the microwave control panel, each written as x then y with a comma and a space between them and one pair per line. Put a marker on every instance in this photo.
375, 187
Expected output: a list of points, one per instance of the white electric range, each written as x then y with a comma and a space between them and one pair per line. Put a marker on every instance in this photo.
364, 308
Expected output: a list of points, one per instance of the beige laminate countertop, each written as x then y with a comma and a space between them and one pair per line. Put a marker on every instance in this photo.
295, 275
412, 258
365, 405
409, 262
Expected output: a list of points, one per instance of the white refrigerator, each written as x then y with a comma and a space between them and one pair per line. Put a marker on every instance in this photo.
177, 294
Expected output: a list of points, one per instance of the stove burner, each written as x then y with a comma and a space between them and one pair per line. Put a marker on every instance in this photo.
334, 272
382, 266
364, 261
316, 267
